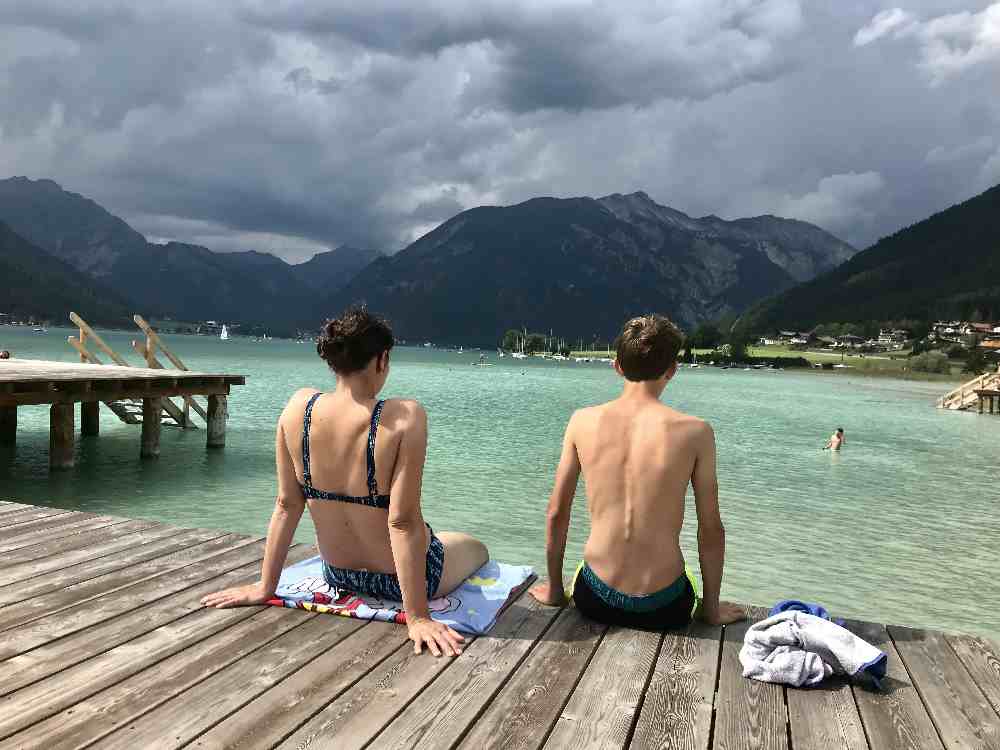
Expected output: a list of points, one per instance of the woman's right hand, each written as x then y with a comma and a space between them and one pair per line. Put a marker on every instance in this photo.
240, 596
437, 636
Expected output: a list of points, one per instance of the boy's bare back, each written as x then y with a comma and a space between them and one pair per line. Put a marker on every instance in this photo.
637, 458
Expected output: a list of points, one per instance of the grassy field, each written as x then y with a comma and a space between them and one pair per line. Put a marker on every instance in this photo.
890, 365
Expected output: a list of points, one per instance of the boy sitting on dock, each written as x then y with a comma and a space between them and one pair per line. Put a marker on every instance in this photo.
637, 456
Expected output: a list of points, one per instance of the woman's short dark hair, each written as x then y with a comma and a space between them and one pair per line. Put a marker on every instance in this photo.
647, 347
349, 343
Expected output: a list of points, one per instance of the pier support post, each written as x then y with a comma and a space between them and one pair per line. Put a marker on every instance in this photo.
90, 417
150, 446
61, 437
218, 413
8, 425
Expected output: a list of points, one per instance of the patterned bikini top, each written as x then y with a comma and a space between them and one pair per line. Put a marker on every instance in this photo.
372, 499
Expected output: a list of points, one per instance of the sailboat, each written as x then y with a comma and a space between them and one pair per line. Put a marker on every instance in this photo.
520, 354
224, 336
500, 353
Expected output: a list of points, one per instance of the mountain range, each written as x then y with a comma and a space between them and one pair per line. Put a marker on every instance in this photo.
580, 266
176, 280
576, 265
945, 267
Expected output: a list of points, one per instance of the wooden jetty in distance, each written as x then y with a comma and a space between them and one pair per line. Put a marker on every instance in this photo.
103, 643
136, 395
973, 393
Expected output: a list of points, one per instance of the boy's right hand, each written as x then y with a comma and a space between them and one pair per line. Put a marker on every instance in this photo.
725, 613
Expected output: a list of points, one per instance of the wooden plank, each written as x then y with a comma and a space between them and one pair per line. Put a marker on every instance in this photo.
604, 706
58, 655
67, 525
14, 536
677, 708
66, 538
114, 391
62, 448
22, 515
200, 565
108, 546
90, 418
959, 710
981, 657
8, 425
825, 716
86, 330
201, 706
276, 713
218, 413
894, 718
748, 714
524, 711
194, 542
155, 364
444, 709
95, 696
149, 446
137, 551
384, 692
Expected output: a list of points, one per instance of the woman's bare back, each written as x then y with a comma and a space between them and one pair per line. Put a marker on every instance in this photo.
349, 535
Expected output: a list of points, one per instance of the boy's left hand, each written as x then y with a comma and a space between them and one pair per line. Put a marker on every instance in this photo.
548, 594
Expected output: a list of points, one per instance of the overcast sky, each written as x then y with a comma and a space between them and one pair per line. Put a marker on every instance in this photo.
294, 126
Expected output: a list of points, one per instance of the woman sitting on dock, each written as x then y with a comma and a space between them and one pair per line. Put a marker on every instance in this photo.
334, 453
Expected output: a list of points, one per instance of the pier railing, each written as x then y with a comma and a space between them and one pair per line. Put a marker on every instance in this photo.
964, 397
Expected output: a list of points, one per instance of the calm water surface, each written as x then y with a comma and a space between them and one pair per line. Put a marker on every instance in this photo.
902, 526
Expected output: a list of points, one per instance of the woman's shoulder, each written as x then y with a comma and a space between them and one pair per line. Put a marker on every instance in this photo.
404, 411
296, 404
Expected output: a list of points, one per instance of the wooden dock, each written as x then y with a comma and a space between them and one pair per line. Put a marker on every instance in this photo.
29, 382
103, 644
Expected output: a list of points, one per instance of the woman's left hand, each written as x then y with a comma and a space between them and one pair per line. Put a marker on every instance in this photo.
239, 596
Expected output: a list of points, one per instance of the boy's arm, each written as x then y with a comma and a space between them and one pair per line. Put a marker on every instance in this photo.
557, 521
711, 532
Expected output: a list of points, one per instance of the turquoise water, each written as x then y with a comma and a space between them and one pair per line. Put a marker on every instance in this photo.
902, 526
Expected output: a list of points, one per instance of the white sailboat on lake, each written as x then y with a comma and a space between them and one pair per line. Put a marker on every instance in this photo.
224, 336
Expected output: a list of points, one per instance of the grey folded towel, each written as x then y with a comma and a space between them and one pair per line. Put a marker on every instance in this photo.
795, 648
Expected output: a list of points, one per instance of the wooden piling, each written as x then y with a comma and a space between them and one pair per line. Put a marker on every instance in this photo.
61, 437
8, 425
216, 423
150, 445
90, 417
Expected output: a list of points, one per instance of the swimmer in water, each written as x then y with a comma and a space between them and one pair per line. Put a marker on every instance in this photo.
836, 441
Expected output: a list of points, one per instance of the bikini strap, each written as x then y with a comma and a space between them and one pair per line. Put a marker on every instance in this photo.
372, 432
306, 424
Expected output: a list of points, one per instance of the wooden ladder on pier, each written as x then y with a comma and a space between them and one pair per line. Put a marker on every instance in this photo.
130, 411
964, 397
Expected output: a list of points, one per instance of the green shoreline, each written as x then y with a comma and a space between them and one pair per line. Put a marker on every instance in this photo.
870, 367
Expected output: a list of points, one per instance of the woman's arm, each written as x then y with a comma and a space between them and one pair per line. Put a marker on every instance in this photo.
288, 507
408, 536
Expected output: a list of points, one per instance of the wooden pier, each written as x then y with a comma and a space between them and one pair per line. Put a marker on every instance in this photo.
26, 382
103, 644
991, 396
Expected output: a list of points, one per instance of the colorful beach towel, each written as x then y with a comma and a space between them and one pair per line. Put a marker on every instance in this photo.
471, 608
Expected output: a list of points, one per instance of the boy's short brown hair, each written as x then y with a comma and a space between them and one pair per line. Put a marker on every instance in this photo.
648, 347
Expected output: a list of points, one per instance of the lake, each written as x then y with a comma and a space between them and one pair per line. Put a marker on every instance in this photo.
902, 526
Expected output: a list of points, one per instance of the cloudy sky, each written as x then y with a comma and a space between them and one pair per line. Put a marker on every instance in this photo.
294, 126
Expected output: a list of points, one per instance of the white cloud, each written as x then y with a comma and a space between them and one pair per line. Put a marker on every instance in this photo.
884, 22
838, 201
949, 44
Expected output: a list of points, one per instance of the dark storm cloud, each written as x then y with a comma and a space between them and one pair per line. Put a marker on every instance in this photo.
293, 126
